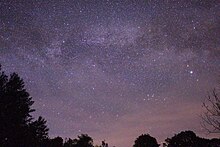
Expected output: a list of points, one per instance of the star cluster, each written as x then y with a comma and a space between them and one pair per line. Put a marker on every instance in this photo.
114, 69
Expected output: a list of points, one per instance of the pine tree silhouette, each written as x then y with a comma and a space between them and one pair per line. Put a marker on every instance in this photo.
16, 125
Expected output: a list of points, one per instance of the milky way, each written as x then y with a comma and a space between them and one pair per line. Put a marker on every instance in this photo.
114, 69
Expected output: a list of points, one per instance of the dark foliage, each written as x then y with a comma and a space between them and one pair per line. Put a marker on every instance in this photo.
55, 142
83, 141
69, 143
189, 139
104, 144
38, 131
145, 140
16, 125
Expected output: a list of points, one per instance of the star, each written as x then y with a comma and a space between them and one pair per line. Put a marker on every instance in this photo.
104, 67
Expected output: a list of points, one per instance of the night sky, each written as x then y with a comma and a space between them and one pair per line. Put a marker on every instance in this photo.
114, 68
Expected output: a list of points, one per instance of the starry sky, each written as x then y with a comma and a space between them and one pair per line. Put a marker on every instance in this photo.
114, 68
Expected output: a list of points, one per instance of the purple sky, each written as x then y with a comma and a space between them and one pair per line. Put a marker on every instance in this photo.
114, 69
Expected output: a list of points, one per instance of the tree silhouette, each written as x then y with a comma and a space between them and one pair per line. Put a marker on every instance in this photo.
38, 131
189, 139
55, 142
211, 116
83, 141
145, 140
183, 139
104, 144
69, 143
16, 125
214, 143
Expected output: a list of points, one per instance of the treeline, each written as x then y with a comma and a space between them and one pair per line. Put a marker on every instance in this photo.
18, 128
183, 139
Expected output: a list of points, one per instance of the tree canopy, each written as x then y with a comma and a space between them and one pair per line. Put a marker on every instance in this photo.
189, 139
83, 140
145, 140
17, 127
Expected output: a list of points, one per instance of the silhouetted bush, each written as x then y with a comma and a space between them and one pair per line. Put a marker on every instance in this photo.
145, 140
